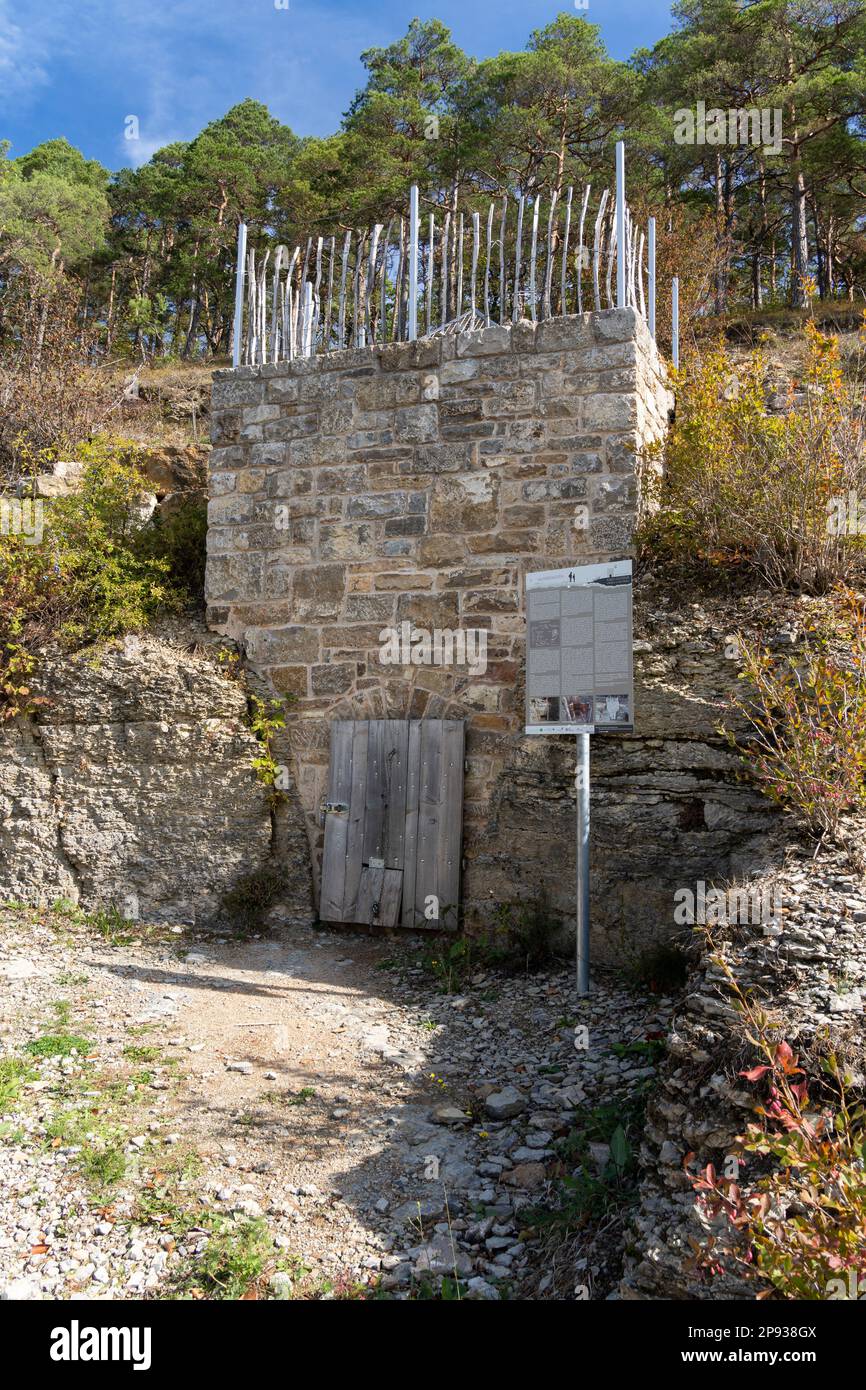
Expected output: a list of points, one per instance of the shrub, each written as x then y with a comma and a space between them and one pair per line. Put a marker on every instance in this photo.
53, 393
742, 485
802, 1226
806, 713
248, 902
93, 574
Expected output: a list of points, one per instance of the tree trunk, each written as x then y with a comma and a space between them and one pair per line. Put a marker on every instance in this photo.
799, 237
721, 275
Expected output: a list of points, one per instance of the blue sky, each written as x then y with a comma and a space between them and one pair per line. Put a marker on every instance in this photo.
79, 68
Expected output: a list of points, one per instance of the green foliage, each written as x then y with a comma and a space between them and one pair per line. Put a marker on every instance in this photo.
100, 1158
524, 937
110, 923
49, 223
58, 1045
14, 1074
265, 719
594, 1190
806, 717
743, 486
235, 1257
178, 541
97, 571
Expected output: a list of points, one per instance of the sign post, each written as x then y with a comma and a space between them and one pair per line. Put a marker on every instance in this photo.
582, 788
579, 680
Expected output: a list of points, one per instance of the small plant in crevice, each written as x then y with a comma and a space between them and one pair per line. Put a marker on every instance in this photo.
15, 1072
265, 718
110, 923
527, 936
248, 902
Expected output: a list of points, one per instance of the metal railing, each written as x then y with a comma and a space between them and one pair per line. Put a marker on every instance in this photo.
446, 277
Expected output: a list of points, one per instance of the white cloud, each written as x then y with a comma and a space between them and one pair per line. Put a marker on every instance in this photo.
22, 58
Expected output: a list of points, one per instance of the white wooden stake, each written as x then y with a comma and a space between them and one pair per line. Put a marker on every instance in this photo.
413, 263
239, 294
307, 319
675, 321
429, 278
651, 269
517, 249
621, 252
536, 208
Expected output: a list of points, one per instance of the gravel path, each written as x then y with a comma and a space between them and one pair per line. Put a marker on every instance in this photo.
316, 1096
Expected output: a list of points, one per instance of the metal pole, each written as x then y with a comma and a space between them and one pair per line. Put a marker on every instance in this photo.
675, 321
582, 863
413, 262
651, 261
239, 294
620, 225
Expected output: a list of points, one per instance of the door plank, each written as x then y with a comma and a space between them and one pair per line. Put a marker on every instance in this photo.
357, 819
392, 891
450, 841
396, 743
370, 895
336, 823
377, 791
410, 839
426, 880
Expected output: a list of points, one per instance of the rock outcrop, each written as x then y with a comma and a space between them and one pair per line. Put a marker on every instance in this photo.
133, 786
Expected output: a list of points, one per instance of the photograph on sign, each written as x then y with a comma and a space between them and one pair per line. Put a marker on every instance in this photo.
579, 649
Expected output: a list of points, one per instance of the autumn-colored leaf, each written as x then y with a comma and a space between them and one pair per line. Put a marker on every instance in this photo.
754, 1073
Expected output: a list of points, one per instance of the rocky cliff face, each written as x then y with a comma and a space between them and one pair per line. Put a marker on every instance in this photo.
133, 786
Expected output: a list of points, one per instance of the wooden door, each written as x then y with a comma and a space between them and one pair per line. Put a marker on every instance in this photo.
394, 823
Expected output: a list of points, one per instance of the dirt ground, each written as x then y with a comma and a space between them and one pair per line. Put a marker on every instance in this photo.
318, 1091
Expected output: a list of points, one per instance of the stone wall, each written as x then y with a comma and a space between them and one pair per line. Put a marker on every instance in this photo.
133, 787
419, 483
